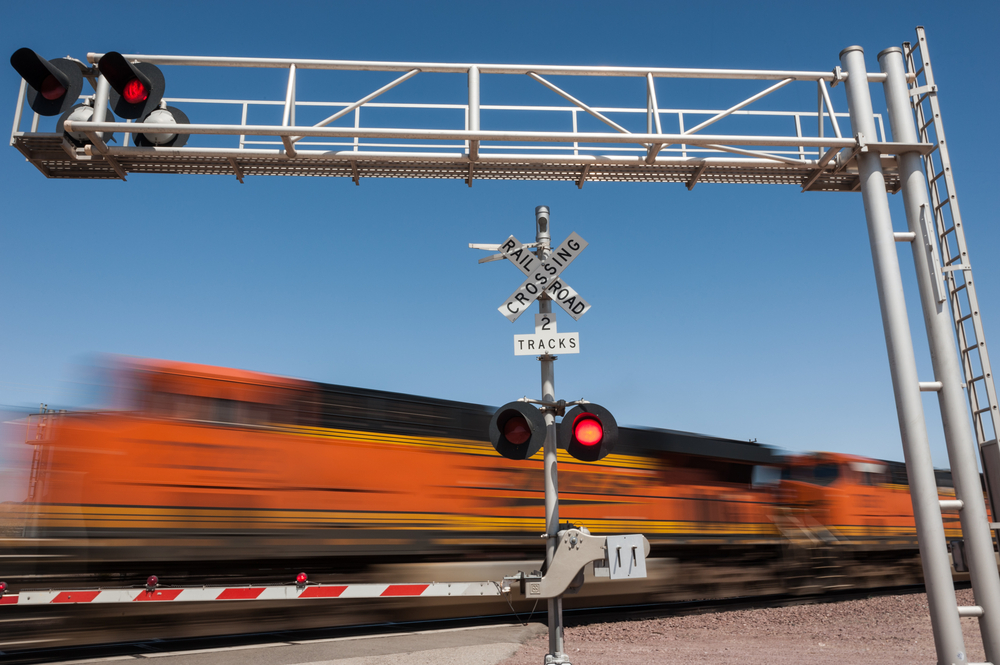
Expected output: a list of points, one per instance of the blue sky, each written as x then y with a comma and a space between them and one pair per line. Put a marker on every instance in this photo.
743, 311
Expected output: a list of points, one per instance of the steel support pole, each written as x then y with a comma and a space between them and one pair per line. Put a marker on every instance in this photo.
473, 99
941, 338
101, 101
943, 607
543, 237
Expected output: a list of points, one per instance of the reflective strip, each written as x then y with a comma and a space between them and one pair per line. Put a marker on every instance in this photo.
81, 597
405, 589
156, 594
322, 592
247, 593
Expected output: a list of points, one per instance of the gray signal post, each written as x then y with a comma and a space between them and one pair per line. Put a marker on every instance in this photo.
545, 287
556, 655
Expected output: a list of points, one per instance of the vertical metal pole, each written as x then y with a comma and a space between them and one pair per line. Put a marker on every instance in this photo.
473, 99
21, 101
101, 101
543, 237
903, 367
940, 336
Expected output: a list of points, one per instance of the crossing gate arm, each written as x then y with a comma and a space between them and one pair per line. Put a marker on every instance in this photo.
576, 549
263, 592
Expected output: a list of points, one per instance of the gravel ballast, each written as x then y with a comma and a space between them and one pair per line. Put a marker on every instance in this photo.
885, 630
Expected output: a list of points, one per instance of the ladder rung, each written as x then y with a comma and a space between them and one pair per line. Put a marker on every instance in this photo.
964, 318
953, 260
950, 229
942, 204
935, 179
978, 378
983, 410
970, 611
957, 289
927, 124
970, 348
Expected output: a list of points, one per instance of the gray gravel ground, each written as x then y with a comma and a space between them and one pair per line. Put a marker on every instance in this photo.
885, 630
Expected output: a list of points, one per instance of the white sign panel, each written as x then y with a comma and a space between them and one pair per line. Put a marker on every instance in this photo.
541, 275
546, 340
534, 345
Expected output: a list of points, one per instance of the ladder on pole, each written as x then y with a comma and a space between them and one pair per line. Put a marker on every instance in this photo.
964, 304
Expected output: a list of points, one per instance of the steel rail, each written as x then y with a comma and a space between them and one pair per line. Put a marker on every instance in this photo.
463, 68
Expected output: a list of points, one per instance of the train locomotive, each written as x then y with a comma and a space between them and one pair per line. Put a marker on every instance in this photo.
197, 470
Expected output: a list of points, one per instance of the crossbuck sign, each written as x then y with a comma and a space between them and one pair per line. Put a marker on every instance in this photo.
543, 276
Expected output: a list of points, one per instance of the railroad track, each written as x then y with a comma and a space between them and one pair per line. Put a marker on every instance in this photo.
30, 642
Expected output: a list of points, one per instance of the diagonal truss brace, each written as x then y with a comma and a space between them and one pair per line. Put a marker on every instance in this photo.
570, 98
361, 102
656, 147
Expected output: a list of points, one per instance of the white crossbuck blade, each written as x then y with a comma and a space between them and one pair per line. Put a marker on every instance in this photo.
543, 276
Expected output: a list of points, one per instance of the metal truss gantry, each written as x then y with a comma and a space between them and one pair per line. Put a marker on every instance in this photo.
781, 144
485, 141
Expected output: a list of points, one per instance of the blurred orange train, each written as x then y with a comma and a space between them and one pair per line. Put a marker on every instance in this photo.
203, 464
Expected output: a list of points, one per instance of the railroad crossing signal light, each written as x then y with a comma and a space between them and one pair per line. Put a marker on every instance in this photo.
517, 430
136, 88
137, 94
53, 85
588, 432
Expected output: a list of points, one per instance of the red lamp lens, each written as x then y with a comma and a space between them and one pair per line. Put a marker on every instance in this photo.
135, 92
301, 578
516, 430
3, 587
588, 431
152, 580
52, 88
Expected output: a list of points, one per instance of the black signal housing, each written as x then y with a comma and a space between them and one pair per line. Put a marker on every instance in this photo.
588, 432
53, 85
136, 88
517, 430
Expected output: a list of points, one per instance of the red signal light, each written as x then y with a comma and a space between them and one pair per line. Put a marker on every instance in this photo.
52, 89
588, 430
136, 88
135, 92
3, 588
516, 430
301, 578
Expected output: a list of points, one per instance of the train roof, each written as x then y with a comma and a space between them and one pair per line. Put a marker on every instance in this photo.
691, 443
